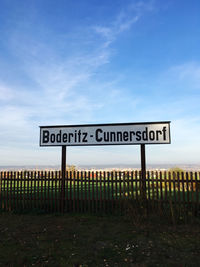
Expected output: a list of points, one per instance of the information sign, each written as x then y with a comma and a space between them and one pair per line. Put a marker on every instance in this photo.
106, 134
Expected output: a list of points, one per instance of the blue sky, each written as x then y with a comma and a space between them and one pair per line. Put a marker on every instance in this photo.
77, 62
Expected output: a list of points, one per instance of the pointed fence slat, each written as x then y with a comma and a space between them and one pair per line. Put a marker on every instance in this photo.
1, 191
161, 188
197, 188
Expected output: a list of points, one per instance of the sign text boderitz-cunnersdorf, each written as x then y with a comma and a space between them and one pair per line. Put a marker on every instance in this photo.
106, 134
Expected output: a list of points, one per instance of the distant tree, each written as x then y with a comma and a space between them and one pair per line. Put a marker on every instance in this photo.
176, 171
71, 168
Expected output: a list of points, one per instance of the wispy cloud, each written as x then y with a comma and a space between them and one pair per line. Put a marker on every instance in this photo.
127, 17
188, 72
6, 94
174, 92
60, 84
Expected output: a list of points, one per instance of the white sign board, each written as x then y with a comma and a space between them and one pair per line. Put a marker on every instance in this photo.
106, 134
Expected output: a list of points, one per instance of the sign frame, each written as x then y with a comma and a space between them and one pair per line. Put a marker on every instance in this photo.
105, 125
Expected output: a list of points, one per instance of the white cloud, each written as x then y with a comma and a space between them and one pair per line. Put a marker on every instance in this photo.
127, 17
185, 131
5, 93
188, 73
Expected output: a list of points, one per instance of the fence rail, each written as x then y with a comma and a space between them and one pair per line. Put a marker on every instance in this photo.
96, 191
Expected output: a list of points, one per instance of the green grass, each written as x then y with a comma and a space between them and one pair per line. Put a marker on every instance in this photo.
89, 240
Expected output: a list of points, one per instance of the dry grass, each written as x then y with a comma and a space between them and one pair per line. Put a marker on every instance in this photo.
90, 240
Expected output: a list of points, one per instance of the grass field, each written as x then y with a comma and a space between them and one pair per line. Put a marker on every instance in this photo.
90, 240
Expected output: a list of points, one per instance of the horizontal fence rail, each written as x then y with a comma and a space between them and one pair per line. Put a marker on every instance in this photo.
95, 192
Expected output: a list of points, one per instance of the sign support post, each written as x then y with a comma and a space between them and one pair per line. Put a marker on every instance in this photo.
63, 173
143, 171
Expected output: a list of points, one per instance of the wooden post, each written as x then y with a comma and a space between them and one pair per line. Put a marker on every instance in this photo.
63, 165
63, 172
143, 171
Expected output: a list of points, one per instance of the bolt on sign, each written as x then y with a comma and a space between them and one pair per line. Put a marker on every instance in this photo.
106, 134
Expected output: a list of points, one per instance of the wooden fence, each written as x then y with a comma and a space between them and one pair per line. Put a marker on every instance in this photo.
96, 191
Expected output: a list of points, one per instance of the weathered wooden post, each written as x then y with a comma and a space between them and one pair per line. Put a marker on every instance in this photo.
143, 172
63, 173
